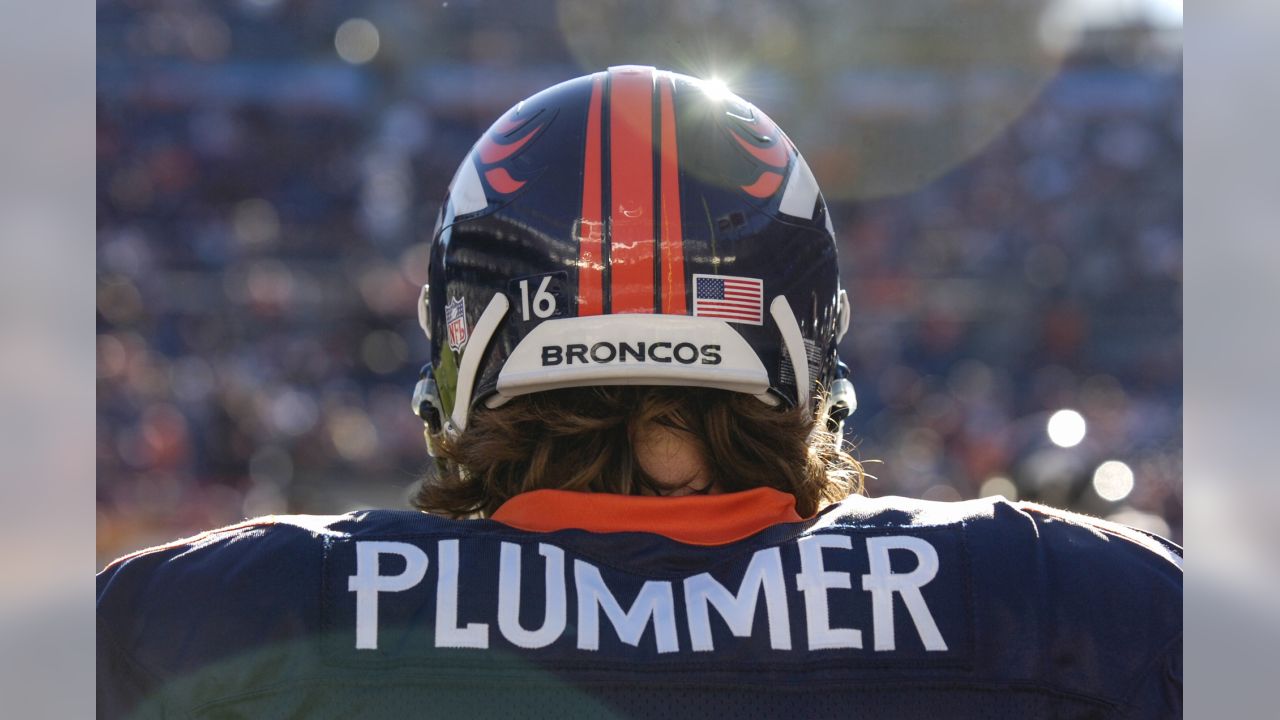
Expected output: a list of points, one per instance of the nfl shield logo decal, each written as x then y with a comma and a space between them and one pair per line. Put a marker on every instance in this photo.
455, 316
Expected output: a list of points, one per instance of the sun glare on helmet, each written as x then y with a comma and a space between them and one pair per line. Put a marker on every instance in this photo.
716, 89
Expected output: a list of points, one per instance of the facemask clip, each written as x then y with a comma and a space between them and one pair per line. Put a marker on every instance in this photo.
426, 405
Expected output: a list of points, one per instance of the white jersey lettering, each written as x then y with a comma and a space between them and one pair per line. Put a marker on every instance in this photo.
493, 586
814, 581
882, 583
448, 634
367, 583
509, 591
654, 602
739, 611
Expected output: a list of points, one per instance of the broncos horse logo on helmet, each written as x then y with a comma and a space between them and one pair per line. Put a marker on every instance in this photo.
637, 227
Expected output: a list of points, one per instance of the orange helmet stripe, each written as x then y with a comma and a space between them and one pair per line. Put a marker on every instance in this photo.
631, 221
591, 225
673, 289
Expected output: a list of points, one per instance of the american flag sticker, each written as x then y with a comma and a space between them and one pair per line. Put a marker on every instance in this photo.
724, 297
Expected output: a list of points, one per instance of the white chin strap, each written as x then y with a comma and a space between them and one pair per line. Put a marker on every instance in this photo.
470, 365
793, 340
840, 399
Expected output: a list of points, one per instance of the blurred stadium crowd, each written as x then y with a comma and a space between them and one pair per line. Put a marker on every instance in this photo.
268, 182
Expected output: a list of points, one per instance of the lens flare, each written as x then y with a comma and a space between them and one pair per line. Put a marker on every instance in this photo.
1066, 428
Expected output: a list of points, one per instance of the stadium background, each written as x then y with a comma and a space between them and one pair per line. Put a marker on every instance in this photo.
1005, 178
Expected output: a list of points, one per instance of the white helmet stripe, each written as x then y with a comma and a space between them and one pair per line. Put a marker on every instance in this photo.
465, 192
801, 193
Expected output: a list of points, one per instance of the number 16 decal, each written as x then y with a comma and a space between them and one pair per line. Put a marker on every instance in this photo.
539, 296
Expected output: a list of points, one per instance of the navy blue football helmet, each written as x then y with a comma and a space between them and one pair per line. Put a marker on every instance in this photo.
635, 227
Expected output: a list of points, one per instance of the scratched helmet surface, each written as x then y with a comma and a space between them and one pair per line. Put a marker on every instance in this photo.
633, 226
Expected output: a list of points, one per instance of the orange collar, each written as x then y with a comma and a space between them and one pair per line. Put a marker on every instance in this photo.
692, 519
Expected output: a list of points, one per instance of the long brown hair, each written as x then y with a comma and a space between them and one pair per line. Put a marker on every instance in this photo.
582, 439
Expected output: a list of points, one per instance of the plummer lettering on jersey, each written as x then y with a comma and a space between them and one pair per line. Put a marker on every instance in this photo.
875, 595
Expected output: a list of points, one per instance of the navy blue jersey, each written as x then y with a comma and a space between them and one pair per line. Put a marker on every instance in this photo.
874, 608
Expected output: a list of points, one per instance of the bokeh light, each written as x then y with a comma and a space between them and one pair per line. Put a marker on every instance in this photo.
255, 222
1150, 522
353, 434
998, 485
1066, 428
1113, 480
357, 41
384, 352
